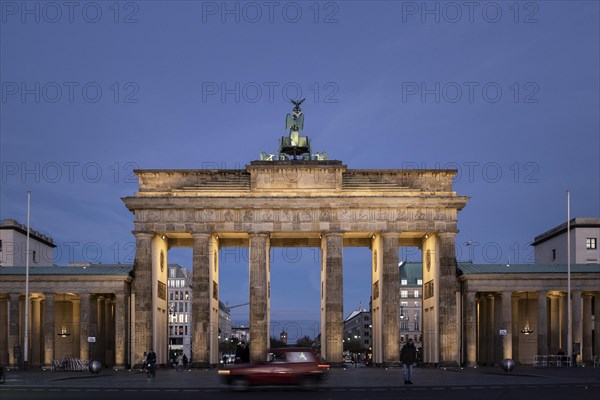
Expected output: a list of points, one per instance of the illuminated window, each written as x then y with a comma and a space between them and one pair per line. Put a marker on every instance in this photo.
590, 243
404, 293
404, 282
416, 294
419, 281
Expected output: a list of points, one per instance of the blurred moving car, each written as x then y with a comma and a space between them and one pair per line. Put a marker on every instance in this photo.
285, 366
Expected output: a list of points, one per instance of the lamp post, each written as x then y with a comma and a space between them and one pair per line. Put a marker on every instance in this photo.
569, 326
170, 315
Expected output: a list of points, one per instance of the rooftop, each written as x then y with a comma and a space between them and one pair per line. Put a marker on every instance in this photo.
91, 269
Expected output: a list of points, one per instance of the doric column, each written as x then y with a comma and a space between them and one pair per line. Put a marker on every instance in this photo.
576, 316
390, 300
101, 337
554, 333
259, 296
49, 328
586, 343
35, 336
93, 327
201, 300
4, 348
542, 323
448, 287
76, 331
471, 328
597, 323
13, 328
507, 347
490, 334
563, 331
332, 307
143, 327
120, 330
515, 329
84, 325
482, 330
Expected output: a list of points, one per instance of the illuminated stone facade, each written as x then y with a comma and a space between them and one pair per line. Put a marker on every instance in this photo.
297, 203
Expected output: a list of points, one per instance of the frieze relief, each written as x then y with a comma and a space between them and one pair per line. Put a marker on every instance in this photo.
291, 215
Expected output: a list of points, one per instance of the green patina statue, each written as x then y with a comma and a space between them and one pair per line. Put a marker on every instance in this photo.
295, 145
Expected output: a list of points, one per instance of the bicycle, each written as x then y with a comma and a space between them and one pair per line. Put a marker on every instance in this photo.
150, 370
2, 375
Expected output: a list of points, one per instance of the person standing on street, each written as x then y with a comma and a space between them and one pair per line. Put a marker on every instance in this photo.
408, 356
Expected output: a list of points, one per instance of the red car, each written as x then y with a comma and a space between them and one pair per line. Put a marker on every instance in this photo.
285, 366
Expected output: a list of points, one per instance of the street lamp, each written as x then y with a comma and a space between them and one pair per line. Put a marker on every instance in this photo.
170, 317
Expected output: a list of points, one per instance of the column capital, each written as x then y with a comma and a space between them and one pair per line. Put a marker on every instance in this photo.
143, 234
201, 235
391, 234
470, 295
259, 234
446, 234
332, 233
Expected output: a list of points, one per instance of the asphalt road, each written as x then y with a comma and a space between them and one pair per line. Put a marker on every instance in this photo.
512, 392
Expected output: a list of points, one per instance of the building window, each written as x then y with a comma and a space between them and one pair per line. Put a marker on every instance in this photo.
417, 326
0, 245
34, 256
416, 294
172, 272
553, 254
416, 304
187, 295
404, 304
404, 293
419, 281
404, 325
590, 243
404, 282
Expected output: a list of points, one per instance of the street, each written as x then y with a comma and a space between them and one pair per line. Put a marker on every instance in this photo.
512, 392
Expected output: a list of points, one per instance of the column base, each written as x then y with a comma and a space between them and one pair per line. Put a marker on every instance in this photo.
448, 364
200, 364
392, 364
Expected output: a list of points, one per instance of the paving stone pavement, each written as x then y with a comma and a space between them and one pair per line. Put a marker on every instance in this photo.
338, 377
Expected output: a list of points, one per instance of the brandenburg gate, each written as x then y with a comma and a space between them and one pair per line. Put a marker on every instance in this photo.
294, 199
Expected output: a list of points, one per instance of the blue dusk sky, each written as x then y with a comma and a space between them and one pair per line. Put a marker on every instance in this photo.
507, 93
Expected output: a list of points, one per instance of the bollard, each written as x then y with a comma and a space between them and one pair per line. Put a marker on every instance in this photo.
95, 367
508, 364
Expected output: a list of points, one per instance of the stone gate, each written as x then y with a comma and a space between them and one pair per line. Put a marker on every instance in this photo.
291, 203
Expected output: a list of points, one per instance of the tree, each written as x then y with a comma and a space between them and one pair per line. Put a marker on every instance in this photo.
276, 343
304, 341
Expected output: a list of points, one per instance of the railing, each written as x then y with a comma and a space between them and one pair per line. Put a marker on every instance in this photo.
551, 361
69, 363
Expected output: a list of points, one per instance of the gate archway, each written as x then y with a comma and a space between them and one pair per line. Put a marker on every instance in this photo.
297, 203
